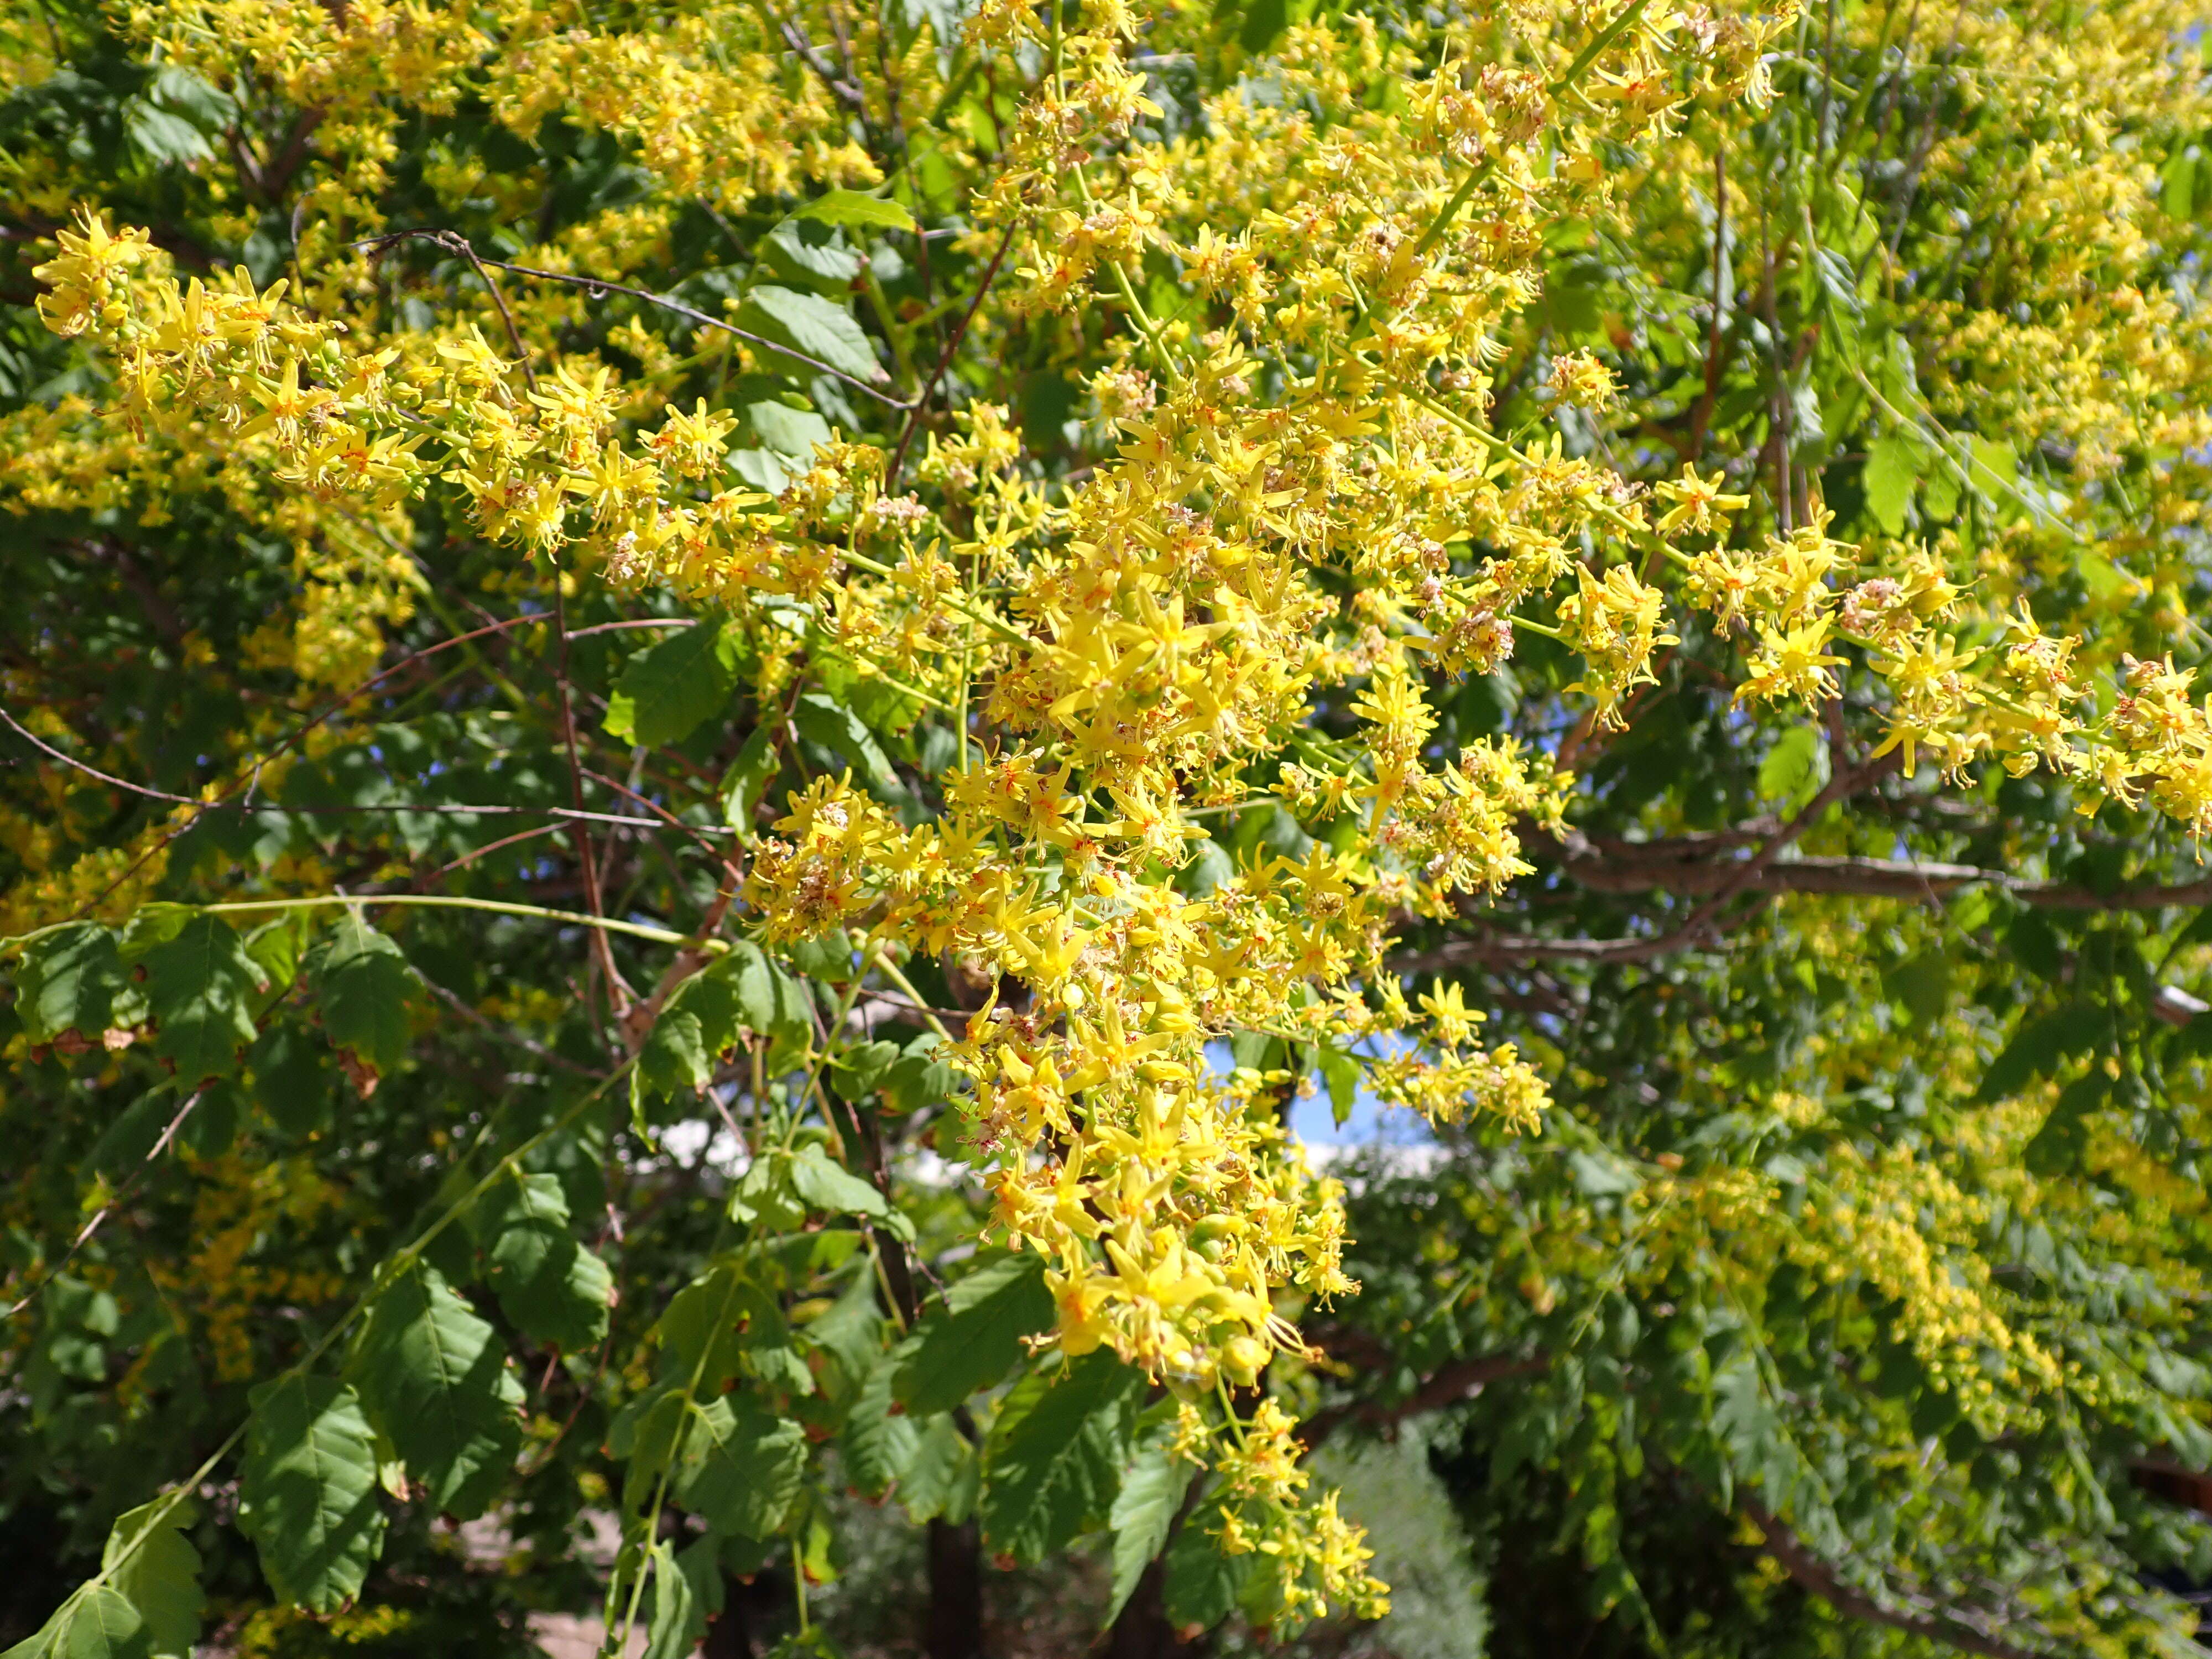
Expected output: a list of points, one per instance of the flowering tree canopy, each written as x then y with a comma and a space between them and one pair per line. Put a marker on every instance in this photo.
721, 708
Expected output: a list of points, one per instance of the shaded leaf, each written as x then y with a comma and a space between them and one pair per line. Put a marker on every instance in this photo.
363, 988
1057, 1464
669, 690
307, 1490
435, 1381
200, 985
975, 1338
742, 1465
819, 331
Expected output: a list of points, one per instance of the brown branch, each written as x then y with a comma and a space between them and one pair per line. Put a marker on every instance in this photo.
1814, 1574
1446, 1386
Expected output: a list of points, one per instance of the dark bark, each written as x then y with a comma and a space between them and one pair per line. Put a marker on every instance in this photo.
956, 1591
1142, 1631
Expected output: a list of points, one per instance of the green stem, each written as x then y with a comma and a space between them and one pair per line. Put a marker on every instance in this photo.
438, 902
1605, 38
396, 1264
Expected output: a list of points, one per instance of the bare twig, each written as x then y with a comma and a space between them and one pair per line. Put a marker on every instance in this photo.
944, 360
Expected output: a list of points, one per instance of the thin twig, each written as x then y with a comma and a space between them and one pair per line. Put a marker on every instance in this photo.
943, 359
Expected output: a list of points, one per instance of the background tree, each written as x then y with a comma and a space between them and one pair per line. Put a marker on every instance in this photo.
716, 711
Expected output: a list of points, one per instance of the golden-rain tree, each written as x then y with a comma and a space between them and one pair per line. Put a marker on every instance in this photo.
717, 706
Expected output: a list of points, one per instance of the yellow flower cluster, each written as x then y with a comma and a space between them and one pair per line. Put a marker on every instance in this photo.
1304, 513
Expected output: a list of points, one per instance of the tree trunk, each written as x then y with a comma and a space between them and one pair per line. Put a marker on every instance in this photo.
956, 1591
1142, 1631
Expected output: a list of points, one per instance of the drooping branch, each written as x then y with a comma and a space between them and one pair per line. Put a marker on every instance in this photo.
1816, 1576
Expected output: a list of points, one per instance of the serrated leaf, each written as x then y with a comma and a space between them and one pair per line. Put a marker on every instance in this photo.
851, 1329
200, 987
1891, 474
674, 1059
1795, 769
850, 207
1153, 1488
941, 1478
435, 1381
1201, 1583
668, 690
96, 1623
809, 256
670, 1633
828, 1187
363, 987
878, 1442
975, 1338
547, 1283
700, 1347
2039, 1045
769, 1000
788, 431
1059, 1464
159, 1573
742, 1467
819, 331
291, 1080
67, 981
307, 1490
821, 718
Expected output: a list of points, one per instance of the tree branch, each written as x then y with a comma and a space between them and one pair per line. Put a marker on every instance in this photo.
1812, 1574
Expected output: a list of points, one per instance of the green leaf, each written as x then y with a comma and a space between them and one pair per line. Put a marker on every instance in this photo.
769, 1000
822, 719
160, 1576
2177, 183
748, 778
975, 1338
1051, 1467
828, 1187
849, 207
553, 1288
676, 1621
1921, 984
812, 327
1153, 1488
918, 1077
808, 255
1796, 769
67, 981
1339, 1070
742, 1467
942, 1477
2056, 1147
1265, 21
200, 985
98, 1623
363, 987
291, 1080
1995, 466
674, 1058
788, 431
1200, 1585
700, 1348
307, 1490
668, 690
2039, 1045
435, 1381
878, 1442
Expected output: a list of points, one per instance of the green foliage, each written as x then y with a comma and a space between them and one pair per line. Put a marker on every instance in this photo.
976, 1338
307, 1490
